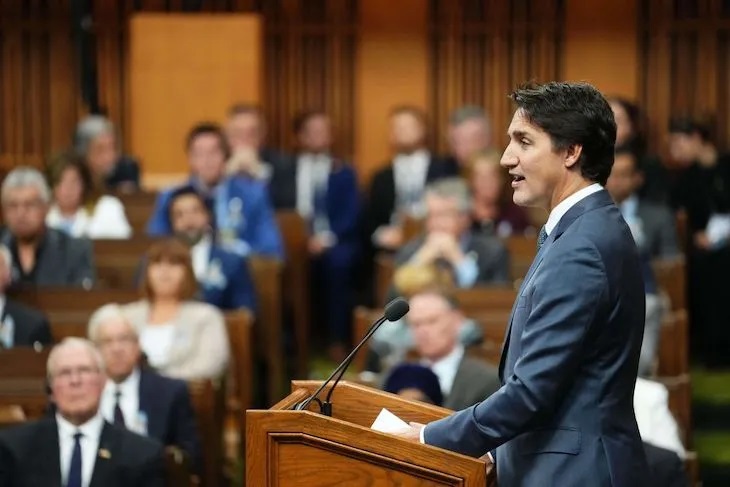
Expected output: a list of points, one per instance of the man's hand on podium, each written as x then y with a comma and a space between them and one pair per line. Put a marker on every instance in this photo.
412, 432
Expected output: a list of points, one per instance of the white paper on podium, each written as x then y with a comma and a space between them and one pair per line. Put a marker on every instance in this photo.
387, 422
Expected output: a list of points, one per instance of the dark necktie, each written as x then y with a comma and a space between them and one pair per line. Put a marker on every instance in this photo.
541, 238
118, 415
74, 470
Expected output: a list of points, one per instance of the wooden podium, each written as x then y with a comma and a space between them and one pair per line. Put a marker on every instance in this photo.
286, 448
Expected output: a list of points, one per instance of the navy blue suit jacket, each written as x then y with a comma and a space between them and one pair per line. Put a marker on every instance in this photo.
227, 283
170, 415
249, 209
564, 415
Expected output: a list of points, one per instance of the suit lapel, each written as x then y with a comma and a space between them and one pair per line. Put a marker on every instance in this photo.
459, 386
103, 466
47, 453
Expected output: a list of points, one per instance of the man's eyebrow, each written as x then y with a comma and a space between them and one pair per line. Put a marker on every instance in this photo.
517, 134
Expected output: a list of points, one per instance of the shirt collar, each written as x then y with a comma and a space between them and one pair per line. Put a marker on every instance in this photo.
128, 386
562, 208
629, 206
449, 361
90, 429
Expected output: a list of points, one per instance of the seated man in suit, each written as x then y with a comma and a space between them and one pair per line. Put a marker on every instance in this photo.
76, 447
469, 134
448, 240
324, 191
224, 277
246, 134
435, 323
244, 220
136, 397
653, 229
20, 326
397, 189
42, 256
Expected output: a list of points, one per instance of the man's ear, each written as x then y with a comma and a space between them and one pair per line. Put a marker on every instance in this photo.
572, 155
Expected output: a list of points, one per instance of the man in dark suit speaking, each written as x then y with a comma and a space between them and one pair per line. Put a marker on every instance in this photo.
564, 415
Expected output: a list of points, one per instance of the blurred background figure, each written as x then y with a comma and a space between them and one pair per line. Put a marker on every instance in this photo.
96, 142
78, 209
415, 382
469, 134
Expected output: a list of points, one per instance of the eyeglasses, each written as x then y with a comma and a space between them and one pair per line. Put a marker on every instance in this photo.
25, 205
123, 339
66, 375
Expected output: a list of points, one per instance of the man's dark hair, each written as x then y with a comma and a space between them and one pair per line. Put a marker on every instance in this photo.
691, 126
208, 128
188, 190
302, 118
573, 114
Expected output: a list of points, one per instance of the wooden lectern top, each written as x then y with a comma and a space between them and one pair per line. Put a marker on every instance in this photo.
286, 448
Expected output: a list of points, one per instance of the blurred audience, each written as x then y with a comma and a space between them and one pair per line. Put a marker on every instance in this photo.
323, 189
20, 326
435, 321
470, 133
244, 219
630, 135
41, 256
660, 434
181, 338
494, 213
136, 397
653, 229
76, 445
78, 209
704, 193
396, 191
415, 382
449, 241
390, 344
224, 277
96, 142
246, 134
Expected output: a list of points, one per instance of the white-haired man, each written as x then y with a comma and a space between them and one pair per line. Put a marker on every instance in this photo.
41, 256
136, 397
76, 447
20, 326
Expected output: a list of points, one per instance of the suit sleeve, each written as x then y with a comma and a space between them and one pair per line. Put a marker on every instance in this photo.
668, 236
494, 265
265, 236
84, 270
152, 473
186, 430
213, 350
41, 333
345, 216
242, 293
159, 224
552, 344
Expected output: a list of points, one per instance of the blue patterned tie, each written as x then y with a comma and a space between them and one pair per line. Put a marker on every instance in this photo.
74, 470
541, 238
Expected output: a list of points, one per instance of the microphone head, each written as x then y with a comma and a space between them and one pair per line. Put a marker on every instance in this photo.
396, 309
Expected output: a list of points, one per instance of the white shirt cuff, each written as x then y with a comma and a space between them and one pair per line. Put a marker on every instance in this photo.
422, 434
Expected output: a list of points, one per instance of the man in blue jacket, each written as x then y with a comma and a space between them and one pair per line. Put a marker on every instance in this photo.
564, 414
244, 219
324, 191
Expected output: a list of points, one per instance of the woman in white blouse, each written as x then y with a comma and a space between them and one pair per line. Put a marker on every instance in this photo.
77, 210
181, 338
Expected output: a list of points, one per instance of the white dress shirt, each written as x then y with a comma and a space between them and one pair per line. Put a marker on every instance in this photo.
562, 208
445, 368
409, 174
128, 402
312, 173
7, 326
156, 341
107, 220
656, 423
91, 431
200, 255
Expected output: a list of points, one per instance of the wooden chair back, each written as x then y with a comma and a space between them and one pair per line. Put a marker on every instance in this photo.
118, 261
23, 380
208, 398
522, 251
138, 208
673, 351
671, 276
296, 296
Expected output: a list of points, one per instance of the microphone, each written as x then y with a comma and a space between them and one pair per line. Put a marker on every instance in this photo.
394, 311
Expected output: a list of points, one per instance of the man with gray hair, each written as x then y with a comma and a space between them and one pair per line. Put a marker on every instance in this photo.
20, 326
41, 256
96, 141
76, 447
469, 133
136, 397
449, 241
